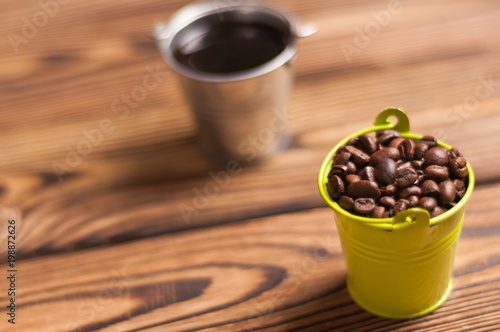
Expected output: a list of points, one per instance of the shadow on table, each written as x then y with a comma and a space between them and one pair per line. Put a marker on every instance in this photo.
332, 311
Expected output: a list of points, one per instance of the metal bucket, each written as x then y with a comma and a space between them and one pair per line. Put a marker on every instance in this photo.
241, 115
399, 267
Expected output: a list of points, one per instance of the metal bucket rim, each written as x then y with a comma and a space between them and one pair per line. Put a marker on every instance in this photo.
385, 223
195, 11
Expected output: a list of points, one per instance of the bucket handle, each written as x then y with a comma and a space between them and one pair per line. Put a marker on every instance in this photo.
381, 122
402, 125
416, 218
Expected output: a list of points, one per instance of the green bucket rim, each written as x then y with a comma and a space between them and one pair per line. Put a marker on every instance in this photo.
405, 217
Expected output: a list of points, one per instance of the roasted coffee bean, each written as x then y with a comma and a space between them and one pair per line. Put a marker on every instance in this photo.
421, 176
353, 141
367, 144
388, 131
413, 201
437, 211
346, 202
336, 186
395, 142
417, 164
458, 167
387, 201
429, 140
459, 184
351, 167
350, 178
363, 188
430, 188
340, 170
364, 205
436, 156
368, 173
446, 192
459, 188
401, 205
386, 138
403, 200
406, 177
406, 149
453, 153
385, 171
378, 212
410, 191
358, 156
428, 203
456, 152
420, 150
437, 173
388, 190
384, 153
342, 158
403, 165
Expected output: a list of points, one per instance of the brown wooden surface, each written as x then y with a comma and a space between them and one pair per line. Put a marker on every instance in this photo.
107, 248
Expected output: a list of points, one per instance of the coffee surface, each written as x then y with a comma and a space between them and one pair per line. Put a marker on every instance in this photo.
231, 47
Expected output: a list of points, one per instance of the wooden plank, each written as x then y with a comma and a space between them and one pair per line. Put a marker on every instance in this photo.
137, 180
277, 273
143, 193
98, 84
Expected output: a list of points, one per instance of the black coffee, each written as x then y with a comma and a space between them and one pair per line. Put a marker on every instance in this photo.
231, 46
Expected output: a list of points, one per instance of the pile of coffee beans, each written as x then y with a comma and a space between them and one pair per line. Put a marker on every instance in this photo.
380, 176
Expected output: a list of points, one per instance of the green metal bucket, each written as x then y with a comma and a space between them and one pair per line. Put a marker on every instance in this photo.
399, 267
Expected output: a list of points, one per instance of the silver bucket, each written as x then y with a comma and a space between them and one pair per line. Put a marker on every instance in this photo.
241, 115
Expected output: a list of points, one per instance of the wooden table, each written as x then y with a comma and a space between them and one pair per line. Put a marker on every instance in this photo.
96, 183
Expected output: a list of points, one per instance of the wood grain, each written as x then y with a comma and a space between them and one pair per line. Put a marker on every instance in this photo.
108, 247
149, 169
276, 273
